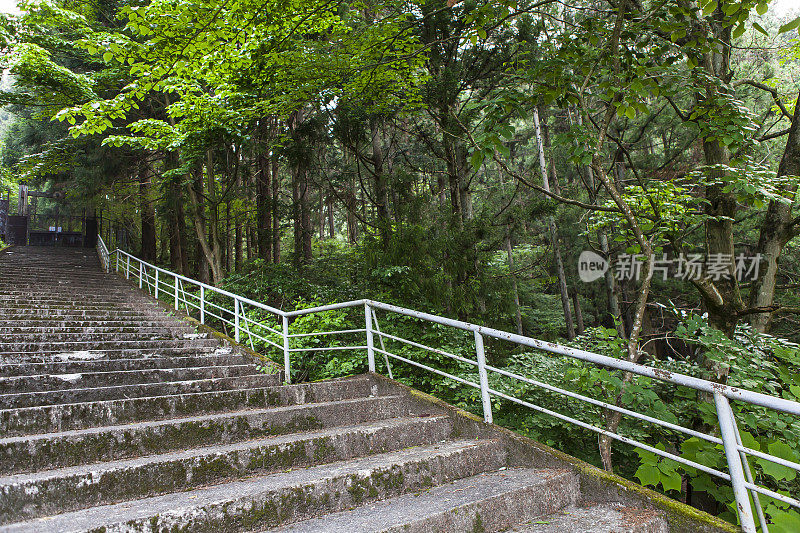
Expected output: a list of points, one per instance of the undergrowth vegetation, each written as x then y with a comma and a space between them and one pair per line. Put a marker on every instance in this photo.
753, 361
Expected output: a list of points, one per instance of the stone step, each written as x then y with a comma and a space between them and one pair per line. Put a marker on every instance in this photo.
56, 345
29, 453
107, 297
273, 499
492, 501
119, 365
9, 309
22, 400
60, 323
81, 380
176, 329
27, 496
603, 518
48, 290
51, 418
101, 336
128, 353
66, 314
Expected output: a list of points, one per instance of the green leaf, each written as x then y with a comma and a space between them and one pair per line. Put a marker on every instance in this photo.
630, 112
761, 8
671, 480
731, 8
709, 8
789, 26
779, 472
758, 26
108, 56
784, 521
648, 475
738, 31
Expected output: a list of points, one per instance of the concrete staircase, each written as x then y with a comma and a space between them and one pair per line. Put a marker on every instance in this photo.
116, 416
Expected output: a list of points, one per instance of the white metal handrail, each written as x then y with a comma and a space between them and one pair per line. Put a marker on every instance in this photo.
102, 253
736, 454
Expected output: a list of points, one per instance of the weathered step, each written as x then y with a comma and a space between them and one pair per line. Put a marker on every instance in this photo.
82, 380
98, 337
127, 353
30, 453
50, 418
605, 518
108, 297
34, 303
80, 365
84, 314
273, 499
22, 333
104, 345
59, 323
136, 390
492, 501
32, 495
47, 289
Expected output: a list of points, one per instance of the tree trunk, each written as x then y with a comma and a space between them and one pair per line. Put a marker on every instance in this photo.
576, 306
264, 208
381, 190
276, 217
776, 230
562, 279
332, 234
517, 312
148, 214
208, 240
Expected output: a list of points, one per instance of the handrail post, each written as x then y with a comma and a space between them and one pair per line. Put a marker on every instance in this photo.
117, 263
202, 304
484, 378
735, 469
236, 319
286, 354
128, 269
156, 283
370, 338
176, 291
141, 266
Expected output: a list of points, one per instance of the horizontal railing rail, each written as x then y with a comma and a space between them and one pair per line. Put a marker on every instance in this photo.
206, 301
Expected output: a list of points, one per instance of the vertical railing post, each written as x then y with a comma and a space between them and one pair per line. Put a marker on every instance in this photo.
202, 304
176, 291
484, 379
117, 262
370, 338
141, 265
156, 283
735, 469
236, 319
128, 269
286, 365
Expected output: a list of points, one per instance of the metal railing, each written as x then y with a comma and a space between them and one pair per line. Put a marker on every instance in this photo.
194, 296
102, 253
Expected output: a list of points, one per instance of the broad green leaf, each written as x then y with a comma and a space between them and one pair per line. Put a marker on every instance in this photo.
789, 26
779, 472
784, 521
648, 475
758, 26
